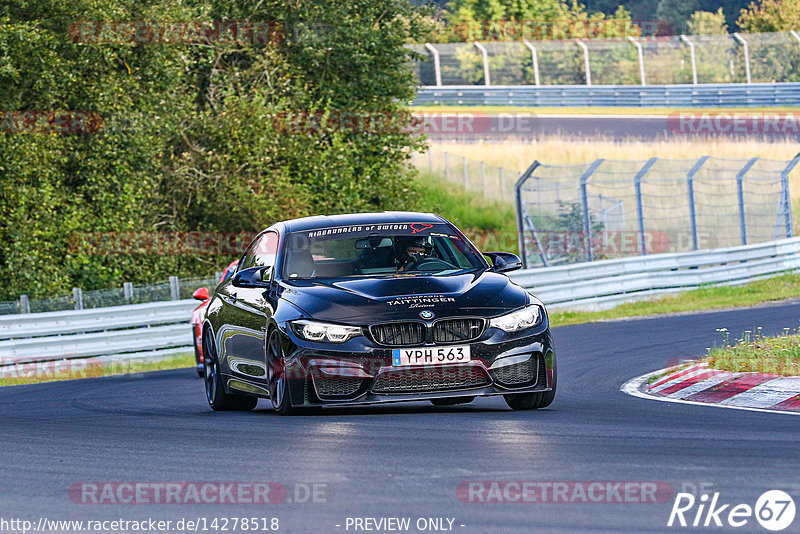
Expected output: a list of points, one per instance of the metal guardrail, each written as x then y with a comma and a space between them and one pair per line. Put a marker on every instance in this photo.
41, 337
710, 95
606, 283
95, 319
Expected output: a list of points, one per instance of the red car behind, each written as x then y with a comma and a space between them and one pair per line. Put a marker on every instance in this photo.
197, 317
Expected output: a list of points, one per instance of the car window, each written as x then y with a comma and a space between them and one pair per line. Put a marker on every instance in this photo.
261, 252
378, 250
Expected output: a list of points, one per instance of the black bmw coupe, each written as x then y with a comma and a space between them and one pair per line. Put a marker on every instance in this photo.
374, 308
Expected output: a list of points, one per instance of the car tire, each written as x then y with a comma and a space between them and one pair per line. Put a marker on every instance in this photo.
452, 401
535, 400
276, 377
218, 399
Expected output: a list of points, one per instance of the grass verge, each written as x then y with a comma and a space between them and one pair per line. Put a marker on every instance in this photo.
708, 298
481, 220
88, 368
758, 354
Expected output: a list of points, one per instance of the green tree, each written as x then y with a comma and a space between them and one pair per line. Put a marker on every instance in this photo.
676, 13
195, 135
770, 16
707, 23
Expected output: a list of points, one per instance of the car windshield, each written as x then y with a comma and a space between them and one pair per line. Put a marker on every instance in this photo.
366, 250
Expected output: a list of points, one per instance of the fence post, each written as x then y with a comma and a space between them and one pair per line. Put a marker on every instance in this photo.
586, 61
637, 180
127, 291
446, 167
638, 46
587, 227
483, 178
437, 67
77, 297
174, 288
485, 54
740, 194
746, 56
535, 62
24, 304
692, 208
520, 221
787, 209
694, 58
466, 175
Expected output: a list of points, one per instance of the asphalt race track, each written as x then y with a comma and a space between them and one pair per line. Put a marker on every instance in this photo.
407, 460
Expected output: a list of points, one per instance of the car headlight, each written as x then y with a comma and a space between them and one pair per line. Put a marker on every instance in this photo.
518, 320
332, 333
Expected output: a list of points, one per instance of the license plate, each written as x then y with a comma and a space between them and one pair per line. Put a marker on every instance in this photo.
430, 356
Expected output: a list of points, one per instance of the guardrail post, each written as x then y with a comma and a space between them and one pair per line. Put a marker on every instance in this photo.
787, 207
638, 46
535, 59
586, 65
77, 297
520, 211
127, 291
746, 56
740, 195
694, 58
692, 207
174, 288
483, 178
437, 67
24, 304
466, 175
485, 54
637, 180
587, 227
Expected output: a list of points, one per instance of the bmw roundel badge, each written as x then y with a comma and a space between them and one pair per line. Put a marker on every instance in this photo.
426, 314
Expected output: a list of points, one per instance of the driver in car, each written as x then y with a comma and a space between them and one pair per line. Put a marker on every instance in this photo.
412, 250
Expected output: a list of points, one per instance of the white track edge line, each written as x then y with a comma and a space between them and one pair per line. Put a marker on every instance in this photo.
631, 387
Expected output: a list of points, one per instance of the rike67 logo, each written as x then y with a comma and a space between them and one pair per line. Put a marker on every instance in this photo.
774, 510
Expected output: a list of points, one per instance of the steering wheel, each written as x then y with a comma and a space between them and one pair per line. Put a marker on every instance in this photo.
429, 264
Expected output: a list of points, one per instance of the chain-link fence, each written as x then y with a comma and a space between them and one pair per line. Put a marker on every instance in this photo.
173, 289
699, 59
606, 209
490, 181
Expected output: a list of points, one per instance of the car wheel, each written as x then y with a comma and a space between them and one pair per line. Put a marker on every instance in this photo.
533, 401
276, 376
217, 397
452, 401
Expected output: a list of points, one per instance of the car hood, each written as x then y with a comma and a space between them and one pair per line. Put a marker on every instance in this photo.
367, 300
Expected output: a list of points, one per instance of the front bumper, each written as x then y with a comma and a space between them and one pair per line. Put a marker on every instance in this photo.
360, 372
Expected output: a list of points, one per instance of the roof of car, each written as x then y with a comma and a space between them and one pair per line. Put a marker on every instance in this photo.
327, 221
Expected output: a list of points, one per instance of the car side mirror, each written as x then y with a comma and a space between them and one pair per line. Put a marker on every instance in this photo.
201, 294
253, 277
503, 262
